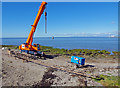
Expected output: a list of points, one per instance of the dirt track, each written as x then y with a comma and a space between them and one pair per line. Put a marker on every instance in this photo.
15, 72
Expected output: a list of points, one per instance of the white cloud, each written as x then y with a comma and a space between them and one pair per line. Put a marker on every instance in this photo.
113, 22
83, 34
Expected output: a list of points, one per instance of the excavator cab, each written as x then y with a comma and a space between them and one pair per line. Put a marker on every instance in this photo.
37, 46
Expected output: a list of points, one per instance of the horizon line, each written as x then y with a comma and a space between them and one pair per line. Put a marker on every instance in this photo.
67, 36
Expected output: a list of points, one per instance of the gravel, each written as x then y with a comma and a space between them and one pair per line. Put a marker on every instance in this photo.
15, 72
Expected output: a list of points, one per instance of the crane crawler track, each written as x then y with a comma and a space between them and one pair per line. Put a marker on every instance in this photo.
33, 59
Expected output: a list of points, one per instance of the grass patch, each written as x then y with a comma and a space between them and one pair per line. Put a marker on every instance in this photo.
7, 45
78, 52
74, 52
108, 80
10, 46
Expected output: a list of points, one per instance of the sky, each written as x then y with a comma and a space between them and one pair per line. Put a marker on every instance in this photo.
61, 0
64, 19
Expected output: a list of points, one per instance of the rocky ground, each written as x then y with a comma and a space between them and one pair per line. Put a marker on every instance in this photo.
15, 72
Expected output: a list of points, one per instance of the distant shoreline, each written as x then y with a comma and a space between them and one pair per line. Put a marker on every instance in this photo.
57, 37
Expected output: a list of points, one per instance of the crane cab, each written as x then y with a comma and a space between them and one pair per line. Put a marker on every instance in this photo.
23, 46
37, 46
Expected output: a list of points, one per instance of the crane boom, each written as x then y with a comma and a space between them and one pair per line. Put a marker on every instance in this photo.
28, 47
41, 9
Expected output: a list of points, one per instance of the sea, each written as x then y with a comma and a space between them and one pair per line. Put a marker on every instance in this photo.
100, 43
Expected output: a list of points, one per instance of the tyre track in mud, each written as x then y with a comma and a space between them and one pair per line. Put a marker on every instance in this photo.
27, 58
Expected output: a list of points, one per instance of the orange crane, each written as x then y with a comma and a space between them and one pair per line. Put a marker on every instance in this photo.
35, 48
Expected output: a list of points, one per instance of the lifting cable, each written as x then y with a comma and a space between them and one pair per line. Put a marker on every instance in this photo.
45, 20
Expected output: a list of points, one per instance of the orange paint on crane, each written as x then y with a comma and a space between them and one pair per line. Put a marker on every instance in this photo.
41, 9
28, 45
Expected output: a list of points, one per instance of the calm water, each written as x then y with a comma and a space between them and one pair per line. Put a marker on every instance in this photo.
110, 44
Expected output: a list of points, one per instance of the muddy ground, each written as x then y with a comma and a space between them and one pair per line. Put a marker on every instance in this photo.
15, 72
